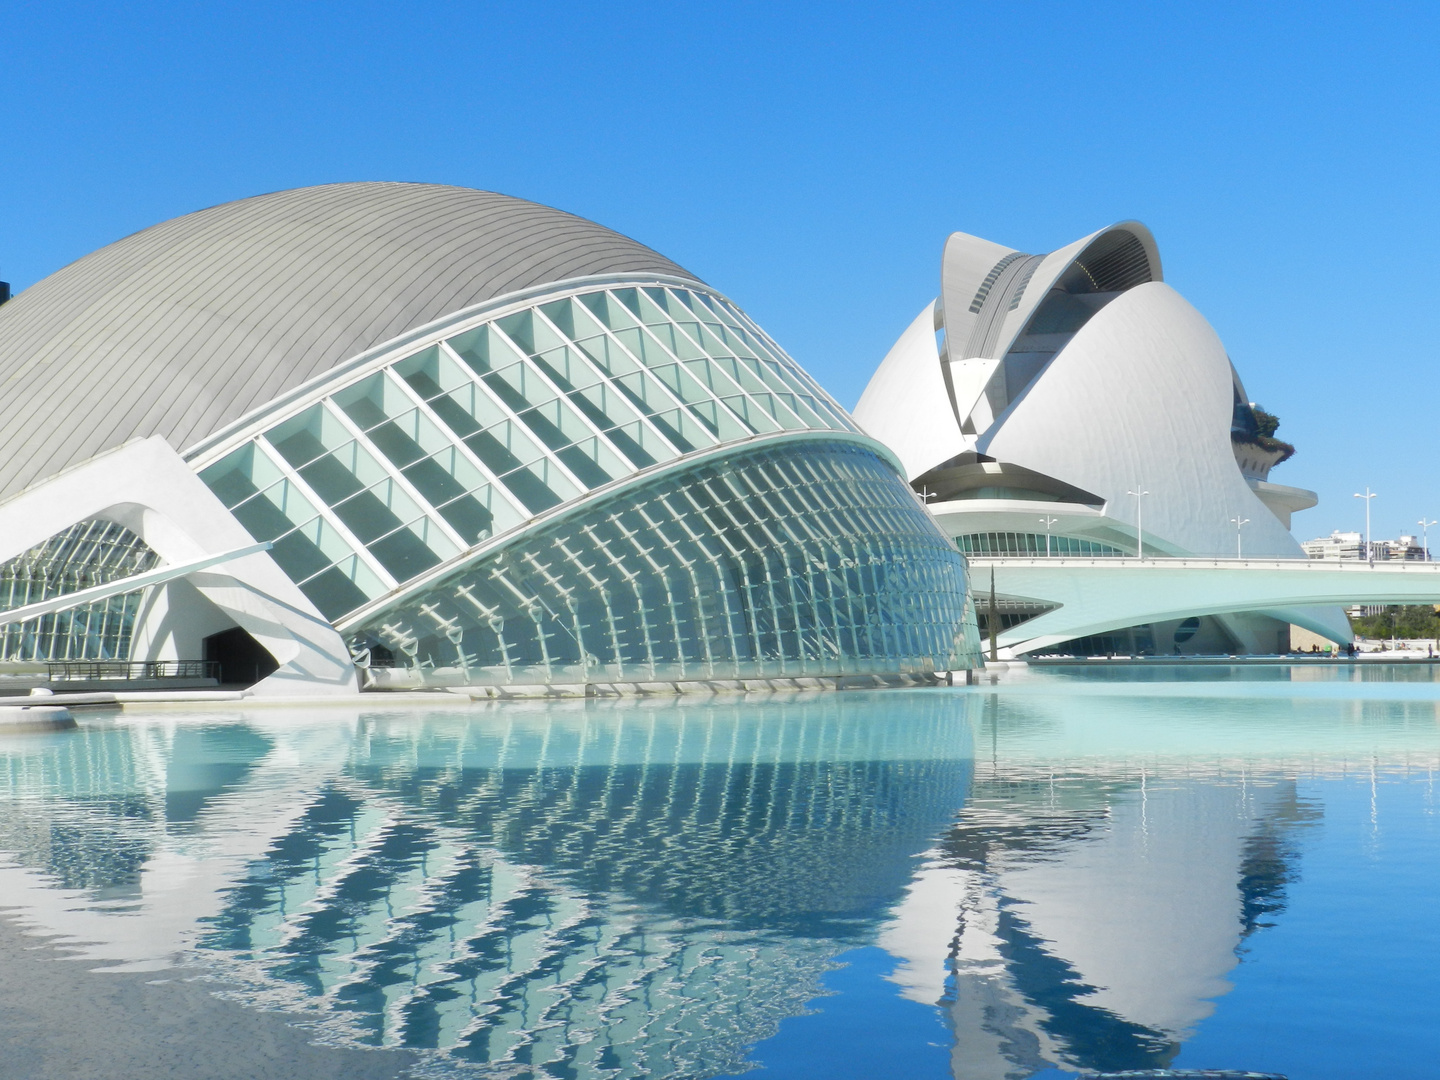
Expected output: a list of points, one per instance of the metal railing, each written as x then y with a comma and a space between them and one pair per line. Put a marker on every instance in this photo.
75, 670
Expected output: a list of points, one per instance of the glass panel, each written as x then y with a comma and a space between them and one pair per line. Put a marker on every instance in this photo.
240, 474
677, 426
412, 550
482, 425
479, 515
339, 475
607, 356
519, 387
540, 485
754, 417
310, 549
274, 511
606, 409
432, 372
377, 510
593, 462
334, 593
605, 307
484, 350
304, 438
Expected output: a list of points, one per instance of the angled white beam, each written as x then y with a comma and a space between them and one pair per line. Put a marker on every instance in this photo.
120, 586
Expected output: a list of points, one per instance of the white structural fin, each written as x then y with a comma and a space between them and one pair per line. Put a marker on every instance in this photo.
907, 406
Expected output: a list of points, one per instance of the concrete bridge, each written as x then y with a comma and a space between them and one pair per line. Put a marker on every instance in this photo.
1095, 595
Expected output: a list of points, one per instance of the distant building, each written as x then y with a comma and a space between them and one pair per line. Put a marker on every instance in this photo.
1338, 545
1407, 548
1351, 545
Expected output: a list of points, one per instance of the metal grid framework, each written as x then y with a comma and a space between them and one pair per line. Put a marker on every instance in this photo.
809, 558
86, 554
1032, 544
466, 438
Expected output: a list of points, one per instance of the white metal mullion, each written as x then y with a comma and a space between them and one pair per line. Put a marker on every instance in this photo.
535, 369
599, 375
685, 373
715, 366
428, 511
780, 357
639, 363
324, 510
458, 443
514, 417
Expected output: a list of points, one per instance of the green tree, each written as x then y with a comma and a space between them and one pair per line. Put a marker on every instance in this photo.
1409, 621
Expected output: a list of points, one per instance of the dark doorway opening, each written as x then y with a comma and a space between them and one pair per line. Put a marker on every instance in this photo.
242, 659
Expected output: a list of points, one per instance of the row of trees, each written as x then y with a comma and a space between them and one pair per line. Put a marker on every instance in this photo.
1409, 621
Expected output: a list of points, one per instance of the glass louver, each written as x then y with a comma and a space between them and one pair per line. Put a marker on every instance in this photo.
804, 559
468, 437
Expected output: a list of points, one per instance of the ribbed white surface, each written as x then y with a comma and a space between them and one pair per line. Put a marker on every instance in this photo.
190, 324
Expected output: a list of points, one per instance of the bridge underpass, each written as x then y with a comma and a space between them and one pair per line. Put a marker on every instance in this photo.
1098, 595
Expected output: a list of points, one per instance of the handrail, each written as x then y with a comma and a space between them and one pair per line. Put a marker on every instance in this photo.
76, 670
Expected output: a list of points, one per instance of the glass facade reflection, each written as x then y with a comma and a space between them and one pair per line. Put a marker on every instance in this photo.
1087, 871
415, 505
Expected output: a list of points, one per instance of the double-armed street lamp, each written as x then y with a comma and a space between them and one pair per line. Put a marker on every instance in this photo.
1048, 521
1239, 524
1425, 536
1139, 520
1367, 497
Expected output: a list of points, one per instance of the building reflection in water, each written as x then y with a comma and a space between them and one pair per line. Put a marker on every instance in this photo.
585, 890
1069, 872
1118, 847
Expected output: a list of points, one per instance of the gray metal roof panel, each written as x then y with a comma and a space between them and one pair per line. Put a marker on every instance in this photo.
184, 327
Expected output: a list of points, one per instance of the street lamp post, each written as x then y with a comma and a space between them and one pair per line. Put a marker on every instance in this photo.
1139, 520
1367, 497
1048, 521
1239, 524
1425, 534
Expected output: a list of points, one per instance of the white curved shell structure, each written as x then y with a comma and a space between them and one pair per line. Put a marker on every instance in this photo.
1039, 393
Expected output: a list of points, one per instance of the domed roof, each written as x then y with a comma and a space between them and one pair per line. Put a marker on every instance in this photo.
188, 325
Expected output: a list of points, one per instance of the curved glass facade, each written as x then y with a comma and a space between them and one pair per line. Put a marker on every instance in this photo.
797, 555
802, 559
469, 436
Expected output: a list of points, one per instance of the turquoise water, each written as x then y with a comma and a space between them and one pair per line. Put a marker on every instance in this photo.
1066, 871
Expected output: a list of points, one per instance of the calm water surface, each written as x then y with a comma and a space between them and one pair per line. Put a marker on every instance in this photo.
1069, 871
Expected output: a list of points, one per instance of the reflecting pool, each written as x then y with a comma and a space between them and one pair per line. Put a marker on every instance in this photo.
1067, 871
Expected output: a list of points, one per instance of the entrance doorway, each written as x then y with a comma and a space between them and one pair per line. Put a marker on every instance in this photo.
242, 659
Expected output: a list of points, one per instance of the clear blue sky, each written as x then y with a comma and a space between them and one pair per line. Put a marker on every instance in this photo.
809, 160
